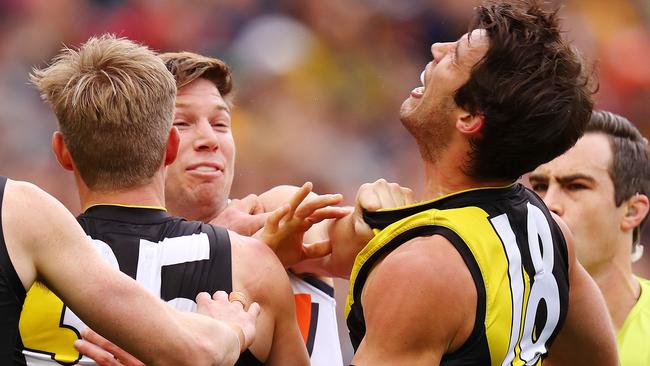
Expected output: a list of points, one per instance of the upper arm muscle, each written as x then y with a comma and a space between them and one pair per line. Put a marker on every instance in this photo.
258, 273
419, 303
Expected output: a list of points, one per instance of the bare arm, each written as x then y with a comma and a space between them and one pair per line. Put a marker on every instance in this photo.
46, 243
419, 303
258, 273
347, 236
587, 337
106, 353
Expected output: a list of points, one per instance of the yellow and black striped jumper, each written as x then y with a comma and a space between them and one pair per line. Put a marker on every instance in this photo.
516, 254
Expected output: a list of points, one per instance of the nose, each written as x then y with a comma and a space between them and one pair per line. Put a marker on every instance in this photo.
439, 50
553, 200
205, 138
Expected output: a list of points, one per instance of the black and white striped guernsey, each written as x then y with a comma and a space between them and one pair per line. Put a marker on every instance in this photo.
174, 258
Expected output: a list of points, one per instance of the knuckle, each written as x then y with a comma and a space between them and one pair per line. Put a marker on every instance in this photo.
105, 359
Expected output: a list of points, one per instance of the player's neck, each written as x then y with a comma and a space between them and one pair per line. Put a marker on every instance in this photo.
619, 287
151, 194
446, 176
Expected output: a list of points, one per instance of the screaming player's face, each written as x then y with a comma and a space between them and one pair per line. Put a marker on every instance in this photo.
578, 188
430, 109
198, 182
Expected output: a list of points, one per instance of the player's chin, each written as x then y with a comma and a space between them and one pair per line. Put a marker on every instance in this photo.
408, 108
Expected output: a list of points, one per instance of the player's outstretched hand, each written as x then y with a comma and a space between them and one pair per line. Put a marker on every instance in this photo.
285, 227
244, 216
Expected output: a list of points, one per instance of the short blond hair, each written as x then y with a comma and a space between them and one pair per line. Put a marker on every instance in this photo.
188, 66
114, 100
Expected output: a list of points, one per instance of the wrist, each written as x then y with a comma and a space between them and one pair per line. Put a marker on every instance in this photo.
239, 335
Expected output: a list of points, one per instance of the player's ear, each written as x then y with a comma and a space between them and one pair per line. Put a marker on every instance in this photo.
469, 124
61, 151
171, 150
637, 210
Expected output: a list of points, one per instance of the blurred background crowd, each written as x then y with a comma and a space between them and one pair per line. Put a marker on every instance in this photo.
318, 82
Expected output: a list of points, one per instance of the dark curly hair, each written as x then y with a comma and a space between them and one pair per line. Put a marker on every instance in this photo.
530, 87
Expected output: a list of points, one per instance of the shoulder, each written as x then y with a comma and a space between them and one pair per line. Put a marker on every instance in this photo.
24, 193
25, 203
429, 263
256, 268
633, 335
38, 230
249, 248
428, 277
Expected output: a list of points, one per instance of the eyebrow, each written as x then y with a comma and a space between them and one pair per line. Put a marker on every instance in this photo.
572, 177
561, 180
537, 178
218, 107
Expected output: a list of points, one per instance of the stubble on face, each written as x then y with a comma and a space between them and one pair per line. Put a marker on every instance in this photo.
432, 131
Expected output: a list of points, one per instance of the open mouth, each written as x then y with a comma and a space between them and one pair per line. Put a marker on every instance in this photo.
419, 91
205, 169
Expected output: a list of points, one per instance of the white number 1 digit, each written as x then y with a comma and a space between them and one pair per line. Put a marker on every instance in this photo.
544, 286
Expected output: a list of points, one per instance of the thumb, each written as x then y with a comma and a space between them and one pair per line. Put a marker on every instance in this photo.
250, 204
362, 228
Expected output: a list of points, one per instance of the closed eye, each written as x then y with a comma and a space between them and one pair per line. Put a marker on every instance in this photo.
181, 124
575, 186
220, 125
454, 54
